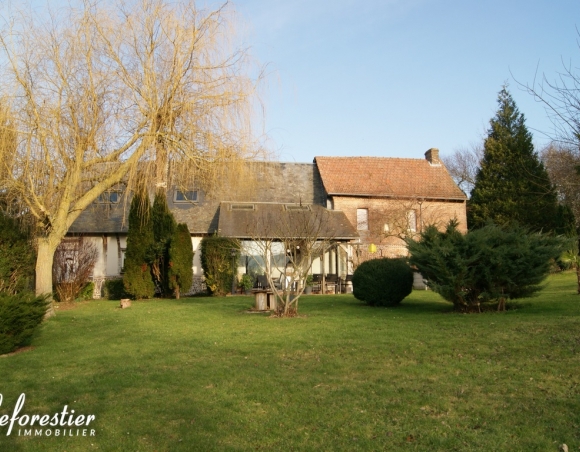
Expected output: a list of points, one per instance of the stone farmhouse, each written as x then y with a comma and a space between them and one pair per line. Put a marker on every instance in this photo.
373, 204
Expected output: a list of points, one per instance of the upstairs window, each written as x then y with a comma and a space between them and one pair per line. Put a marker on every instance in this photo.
185, 196
109, 197
362, 219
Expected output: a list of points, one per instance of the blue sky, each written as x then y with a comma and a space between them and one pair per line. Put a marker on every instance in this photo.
396, 77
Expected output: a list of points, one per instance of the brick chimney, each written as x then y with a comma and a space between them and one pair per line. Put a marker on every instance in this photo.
432, 156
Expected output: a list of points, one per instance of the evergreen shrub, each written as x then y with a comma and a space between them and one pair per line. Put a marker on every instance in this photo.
137, 278
216, 261
86, 292
382, 282
493, 263
114, 289
180, 271
20, 315
164, 227
17, 257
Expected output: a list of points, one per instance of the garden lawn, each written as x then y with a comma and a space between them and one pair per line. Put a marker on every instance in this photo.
201, 374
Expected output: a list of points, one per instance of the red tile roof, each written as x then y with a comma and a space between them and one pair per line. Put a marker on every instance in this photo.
381, 176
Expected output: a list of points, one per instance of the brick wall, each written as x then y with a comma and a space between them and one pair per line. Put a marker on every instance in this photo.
394, 213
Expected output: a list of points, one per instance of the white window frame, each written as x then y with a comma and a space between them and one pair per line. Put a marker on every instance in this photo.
412, 220
362, 219
184, 194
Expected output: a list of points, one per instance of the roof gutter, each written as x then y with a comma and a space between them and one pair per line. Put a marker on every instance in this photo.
426, 198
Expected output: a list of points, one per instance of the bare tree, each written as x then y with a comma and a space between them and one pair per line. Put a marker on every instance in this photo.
74, 260
393, 221
562, 163
463, 165
560, 96
99, 87
287, 238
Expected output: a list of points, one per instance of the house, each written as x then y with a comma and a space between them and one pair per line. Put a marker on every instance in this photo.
389, 199
368, 202
270, 187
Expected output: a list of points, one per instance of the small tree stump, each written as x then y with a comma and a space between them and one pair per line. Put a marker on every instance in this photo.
261, 300
125, 303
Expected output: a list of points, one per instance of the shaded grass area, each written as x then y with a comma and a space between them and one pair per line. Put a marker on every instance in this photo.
201, 374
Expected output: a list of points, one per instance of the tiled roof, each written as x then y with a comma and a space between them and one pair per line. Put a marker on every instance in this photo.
381, 176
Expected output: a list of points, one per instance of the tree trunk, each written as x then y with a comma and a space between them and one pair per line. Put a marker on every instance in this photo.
44, 261
578, 277
177, 293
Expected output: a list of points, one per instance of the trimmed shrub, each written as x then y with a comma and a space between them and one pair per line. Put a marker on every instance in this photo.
216, 261
382, 282
180, 272
137, 277
164, 227
20, 315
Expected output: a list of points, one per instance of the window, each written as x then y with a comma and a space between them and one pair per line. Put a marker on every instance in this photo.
185, 196
242, 207
362, 219
122, 260
412, 220
109, 197
290, 207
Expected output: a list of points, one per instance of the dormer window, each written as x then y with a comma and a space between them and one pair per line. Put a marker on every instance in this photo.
291, 207
185, 196
109, 197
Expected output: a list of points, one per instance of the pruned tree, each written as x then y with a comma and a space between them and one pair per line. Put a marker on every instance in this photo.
288, 238
137, 277
94, 89
164, 227
180, 271
74, 260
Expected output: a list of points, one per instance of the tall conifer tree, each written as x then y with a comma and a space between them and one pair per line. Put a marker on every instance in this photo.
163, 229
180, 273
512, 185
137, 277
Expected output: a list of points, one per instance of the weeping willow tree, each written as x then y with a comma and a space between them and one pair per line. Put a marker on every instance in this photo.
103, 93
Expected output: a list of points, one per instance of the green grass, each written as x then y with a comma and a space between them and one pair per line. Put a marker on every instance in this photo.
200, 374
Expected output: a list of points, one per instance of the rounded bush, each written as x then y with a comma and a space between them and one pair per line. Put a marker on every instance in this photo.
382, 282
